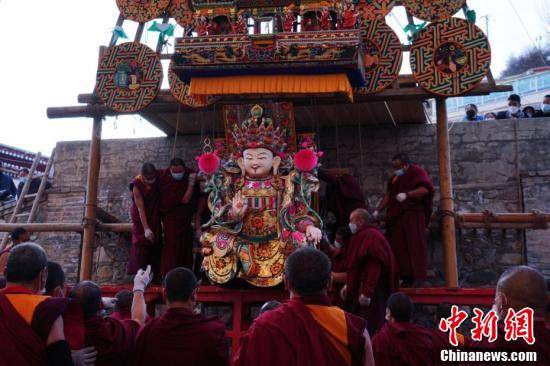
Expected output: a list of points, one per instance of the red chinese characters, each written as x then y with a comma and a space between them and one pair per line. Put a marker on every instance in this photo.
452, 323
519, 325
485, 326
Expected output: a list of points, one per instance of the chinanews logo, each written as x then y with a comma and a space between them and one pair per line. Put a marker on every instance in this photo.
517, 325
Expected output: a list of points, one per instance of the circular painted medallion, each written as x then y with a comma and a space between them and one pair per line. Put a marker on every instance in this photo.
450, 57
433, 10
180, 91
180, 10
142, 10
128, 77
382, 55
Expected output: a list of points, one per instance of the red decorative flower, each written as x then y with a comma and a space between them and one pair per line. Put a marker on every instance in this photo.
209, 163
276, 269
305, 160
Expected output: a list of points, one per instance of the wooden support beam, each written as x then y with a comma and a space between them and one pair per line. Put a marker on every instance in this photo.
65, 227
448, 231
88, 237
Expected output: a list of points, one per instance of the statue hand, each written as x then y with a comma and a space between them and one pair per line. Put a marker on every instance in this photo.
313, 234
238, 206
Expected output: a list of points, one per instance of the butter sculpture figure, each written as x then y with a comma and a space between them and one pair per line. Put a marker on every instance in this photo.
261, 205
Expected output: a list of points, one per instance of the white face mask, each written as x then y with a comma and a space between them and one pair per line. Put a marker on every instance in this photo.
352, 227
177, 176
513, 110
399, 172
337, 244
545, 108
489, 118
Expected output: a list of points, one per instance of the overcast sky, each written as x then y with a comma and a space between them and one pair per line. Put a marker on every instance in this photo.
50, 49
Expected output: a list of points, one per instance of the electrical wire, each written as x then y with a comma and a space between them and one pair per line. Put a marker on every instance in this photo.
528, 34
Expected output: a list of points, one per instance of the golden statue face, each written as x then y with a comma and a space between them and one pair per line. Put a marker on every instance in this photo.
259, 162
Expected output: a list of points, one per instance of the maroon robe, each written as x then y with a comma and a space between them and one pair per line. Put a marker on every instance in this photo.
180, 337
113, 339
404, 344
176, 220
406, 222
338, 259
124, 314
290, 336
372, 271
344, 195
22, 343
144, 252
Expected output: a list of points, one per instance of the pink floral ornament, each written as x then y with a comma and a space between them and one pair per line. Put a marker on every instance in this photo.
209, 163
297, 236
305, 160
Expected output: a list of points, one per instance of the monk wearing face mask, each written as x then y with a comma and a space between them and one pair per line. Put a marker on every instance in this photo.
144, 212
177, 205
409, 208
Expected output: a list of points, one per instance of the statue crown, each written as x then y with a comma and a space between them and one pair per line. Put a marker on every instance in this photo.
258, 131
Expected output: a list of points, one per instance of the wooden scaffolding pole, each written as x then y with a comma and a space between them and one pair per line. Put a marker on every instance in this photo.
88, 236
446, 203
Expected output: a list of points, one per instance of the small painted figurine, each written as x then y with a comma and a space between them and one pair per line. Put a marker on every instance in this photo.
325, 21
289, 20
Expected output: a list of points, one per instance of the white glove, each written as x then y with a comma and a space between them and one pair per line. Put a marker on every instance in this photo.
149, 235
84, 357
375, 215
109, 302
343, 293
142, 279
401, 197
364, 301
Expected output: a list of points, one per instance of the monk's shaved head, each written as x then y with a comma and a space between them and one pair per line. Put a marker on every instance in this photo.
401, 307
307, 271
124, 299
361, 214
56, 278
25, 263
88, 295
523, 286
179, 284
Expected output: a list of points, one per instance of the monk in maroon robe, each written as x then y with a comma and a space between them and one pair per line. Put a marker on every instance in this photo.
343, 195
177, 206
518, 288
306, 330
113, 339
32, 328
372, 273
400, 342
179, 336
409, 202
337, 257
146, 227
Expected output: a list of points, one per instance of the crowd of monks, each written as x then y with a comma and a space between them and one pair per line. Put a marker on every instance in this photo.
40, 325
344, 306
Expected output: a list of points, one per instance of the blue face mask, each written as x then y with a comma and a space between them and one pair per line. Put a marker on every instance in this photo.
399, 172
177, 176
545, 108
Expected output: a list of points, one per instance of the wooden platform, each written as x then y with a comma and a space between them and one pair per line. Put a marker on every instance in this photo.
244, 302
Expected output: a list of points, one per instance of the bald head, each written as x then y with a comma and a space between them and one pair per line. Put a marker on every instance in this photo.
88, 295
400, 307
360, 217
520, 287
25, 263
270, 305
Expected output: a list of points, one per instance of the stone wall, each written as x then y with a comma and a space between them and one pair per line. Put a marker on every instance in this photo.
500, 166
